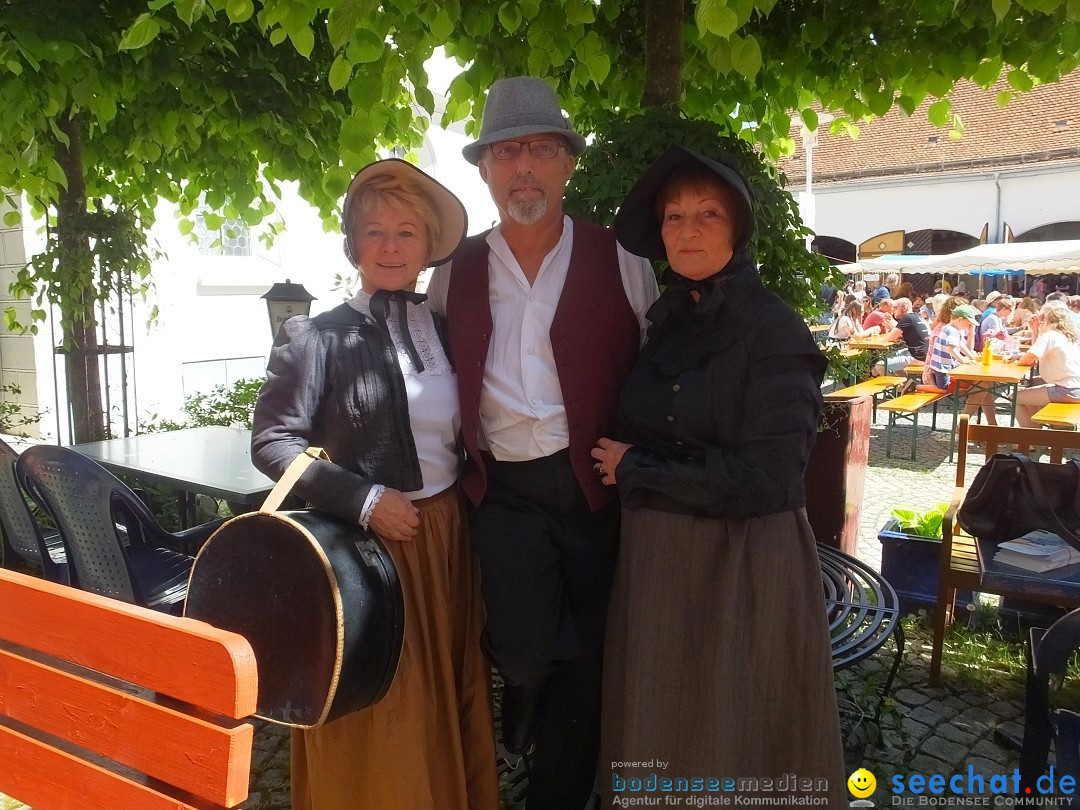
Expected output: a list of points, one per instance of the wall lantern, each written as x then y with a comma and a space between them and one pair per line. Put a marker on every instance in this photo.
285, 300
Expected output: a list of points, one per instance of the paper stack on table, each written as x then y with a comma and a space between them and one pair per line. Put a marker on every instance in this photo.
1037, 551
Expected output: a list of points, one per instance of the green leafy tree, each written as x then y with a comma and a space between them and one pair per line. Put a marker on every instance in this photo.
105, 110
746, 67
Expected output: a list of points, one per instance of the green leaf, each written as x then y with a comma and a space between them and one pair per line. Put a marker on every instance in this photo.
592, 54
141, 33
12, 218
342, 21
810, 119
213, 221
239, 10
938, 85
988, 71
14, 66
907, 104
1019, 80
340, 73
939, 112
366, 46
714, 17
746, 55
442, 26
1072, 10
304, 41
1001, 8
509, 16
719, 55
277, 36
185, 226
815, 32
1003, 98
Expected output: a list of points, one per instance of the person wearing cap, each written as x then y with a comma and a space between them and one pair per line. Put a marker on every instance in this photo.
718, 655
370, 382
948, 349
546, 315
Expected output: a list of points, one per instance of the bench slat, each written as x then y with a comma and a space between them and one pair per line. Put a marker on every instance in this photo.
192, 754
183, 658
909, 403
48, 779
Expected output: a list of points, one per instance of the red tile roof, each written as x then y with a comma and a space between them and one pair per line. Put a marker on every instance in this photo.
1040, 126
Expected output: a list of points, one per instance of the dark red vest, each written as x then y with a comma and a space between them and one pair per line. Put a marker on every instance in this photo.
594, 336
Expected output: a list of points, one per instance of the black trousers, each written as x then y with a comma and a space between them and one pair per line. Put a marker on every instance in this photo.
546, 564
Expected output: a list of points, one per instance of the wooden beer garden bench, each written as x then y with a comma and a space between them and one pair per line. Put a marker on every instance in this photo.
1059, 415
873, 388
908, 407
108, 705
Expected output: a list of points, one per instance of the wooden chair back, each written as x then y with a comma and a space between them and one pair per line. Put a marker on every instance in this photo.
1003, 439
106, 704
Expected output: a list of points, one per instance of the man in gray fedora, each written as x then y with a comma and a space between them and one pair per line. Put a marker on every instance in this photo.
545, 316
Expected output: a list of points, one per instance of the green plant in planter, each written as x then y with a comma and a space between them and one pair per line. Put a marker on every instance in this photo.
922, 524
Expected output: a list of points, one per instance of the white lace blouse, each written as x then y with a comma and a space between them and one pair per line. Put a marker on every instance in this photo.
433, 400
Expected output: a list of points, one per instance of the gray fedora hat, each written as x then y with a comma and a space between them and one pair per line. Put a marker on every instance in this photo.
519, 106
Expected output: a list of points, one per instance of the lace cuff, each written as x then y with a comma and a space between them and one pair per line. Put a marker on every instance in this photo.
374, 494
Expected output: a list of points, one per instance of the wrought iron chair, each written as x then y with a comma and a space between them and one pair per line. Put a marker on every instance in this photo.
140, 565
22, 535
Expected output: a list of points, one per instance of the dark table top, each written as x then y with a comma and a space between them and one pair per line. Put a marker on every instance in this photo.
1057, 586
214, 461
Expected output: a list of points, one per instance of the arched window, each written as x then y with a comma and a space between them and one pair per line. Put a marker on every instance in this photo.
935, 242
1051, 232
834, 249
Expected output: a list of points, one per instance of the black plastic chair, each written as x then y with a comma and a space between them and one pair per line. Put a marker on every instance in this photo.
1049, 655
22, 535
141, 565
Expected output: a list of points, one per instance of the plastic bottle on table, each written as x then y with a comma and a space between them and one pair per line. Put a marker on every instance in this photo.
987, 353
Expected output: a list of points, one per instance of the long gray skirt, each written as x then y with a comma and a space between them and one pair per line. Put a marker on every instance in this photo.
717, 661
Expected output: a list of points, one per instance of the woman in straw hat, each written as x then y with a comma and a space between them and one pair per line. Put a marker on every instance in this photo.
369, 382
717, 657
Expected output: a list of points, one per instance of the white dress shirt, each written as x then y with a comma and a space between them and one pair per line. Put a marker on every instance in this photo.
522, 415
432, 395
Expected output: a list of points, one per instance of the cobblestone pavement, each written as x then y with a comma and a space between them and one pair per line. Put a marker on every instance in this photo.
927, 731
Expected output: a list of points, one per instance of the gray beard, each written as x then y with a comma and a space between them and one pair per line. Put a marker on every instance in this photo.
527, 212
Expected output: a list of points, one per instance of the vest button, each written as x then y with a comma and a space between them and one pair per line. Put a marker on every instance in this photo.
675, 387
671, 418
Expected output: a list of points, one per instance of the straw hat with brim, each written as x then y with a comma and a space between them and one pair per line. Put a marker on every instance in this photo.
637, 225
517, 107
453, 220
967, 312
992, 296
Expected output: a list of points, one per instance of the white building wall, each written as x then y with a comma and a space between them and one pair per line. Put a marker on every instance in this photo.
1023, 198
212, 325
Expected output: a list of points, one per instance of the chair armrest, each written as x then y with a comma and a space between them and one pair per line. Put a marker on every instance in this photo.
949, 519
198, 534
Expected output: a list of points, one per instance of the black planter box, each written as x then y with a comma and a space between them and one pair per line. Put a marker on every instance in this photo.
910, 564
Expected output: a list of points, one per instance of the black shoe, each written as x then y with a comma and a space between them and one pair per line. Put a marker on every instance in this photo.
520, 716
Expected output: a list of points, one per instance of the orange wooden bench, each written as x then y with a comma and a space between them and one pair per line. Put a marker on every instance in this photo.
907, 407
1059, 415
108, 705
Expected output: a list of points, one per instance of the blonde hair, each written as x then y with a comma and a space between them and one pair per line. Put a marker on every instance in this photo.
1056, 316
944, 313
387, 191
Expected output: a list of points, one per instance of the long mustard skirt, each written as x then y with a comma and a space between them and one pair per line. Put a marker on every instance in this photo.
717, 659
429, 743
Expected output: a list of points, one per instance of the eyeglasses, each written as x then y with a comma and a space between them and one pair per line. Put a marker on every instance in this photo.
510, 150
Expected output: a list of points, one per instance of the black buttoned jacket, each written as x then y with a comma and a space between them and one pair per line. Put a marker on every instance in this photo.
722, 406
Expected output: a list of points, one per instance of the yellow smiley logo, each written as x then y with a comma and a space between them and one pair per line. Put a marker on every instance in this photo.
861, 783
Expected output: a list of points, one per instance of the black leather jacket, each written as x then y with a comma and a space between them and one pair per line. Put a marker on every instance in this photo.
333, 381
722, 406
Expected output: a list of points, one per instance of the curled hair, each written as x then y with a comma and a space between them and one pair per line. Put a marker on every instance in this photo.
387, 191
1056, 316
944, 314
